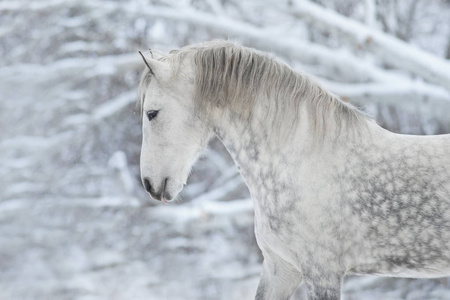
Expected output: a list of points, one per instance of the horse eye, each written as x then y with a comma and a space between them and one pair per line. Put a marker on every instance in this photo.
151, 114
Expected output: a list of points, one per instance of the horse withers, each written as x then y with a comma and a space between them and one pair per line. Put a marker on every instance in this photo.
333, 192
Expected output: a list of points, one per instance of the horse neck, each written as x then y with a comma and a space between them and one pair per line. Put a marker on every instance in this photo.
266, 164
255, 151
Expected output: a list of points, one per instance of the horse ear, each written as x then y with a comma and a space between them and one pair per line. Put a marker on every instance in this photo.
158, 68
146, 62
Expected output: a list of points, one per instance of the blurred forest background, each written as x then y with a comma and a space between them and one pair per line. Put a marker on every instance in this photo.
75, 222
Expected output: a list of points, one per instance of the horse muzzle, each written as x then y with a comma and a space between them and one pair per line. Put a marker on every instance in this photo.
161, 193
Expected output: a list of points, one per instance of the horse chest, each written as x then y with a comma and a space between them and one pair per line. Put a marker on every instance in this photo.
279, 225
274, 234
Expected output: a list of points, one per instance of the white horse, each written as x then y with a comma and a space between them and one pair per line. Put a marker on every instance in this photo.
333, 192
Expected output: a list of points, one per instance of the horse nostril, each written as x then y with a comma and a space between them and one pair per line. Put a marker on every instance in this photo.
147, 185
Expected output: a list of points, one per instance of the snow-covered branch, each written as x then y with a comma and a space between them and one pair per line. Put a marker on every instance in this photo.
77, 68
410, 97
103, 111
388, 48
7, 6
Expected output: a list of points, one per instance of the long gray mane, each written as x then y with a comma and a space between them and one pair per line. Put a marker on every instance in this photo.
234, 78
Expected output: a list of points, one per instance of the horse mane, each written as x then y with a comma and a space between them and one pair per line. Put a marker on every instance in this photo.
233, 78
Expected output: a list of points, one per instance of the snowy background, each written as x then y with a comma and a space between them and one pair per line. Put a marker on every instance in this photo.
75, 222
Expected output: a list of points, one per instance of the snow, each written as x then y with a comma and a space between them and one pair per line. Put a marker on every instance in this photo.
388, 48
400, 94
75, 222
115, 105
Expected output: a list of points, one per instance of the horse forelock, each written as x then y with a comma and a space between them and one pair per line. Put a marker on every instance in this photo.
143, 83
